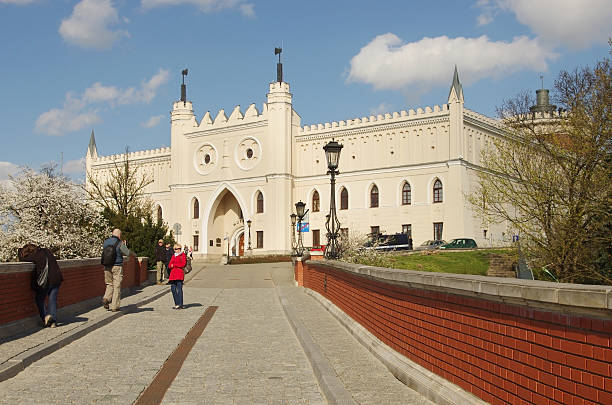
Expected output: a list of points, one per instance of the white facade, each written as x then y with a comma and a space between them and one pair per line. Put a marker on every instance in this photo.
225, 162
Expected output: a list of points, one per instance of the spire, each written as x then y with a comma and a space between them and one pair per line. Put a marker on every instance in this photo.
92, 150
457, 95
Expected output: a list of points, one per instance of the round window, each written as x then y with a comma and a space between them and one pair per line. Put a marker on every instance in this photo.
249, 153
207, 158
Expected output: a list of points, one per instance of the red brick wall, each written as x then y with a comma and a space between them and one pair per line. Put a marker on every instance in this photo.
82, 280
501, 353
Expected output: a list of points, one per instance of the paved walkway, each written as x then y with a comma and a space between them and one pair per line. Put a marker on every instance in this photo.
247, 354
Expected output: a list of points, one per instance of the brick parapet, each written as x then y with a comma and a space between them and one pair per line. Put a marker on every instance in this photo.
504, 340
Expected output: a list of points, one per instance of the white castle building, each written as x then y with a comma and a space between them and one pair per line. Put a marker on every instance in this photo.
408, 171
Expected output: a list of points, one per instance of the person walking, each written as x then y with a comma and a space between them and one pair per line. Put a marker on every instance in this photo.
46, 280
112, 259
177, 275
160, 258
187, 268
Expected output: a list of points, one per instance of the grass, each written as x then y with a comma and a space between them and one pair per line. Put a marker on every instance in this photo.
474, 262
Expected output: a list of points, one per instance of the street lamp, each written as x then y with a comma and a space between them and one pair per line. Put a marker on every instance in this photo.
293, 221
249, 222
332, 155
299, 209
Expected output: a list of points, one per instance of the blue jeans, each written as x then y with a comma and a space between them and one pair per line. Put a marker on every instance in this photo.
50, 309
176, 286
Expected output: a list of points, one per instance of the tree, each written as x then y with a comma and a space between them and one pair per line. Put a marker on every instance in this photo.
48, 210
120, 193
550, 177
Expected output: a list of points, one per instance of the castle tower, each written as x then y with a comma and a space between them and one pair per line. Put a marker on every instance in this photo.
455, 106
92, 154
181, 118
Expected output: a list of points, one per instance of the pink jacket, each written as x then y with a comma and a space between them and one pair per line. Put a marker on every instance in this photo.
176, 266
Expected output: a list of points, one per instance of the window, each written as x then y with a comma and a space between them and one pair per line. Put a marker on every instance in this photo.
196, 242
375, 230
407, 229
259, 202
437, 191
344, 199
159, 214
259, 239
437, 230
211, 243
315, 202
406, 194
316, 237
196, 208
374, 197
344, 233
218, 242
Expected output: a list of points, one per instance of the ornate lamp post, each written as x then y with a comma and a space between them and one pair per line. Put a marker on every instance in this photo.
293, 222
249, 222
332, 155
299, 209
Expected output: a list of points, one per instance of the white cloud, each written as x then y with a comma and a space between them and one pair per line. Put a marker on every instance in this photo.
7, 169
206, 6
89, 25
78, 113
577, 24
389, 63
153, 121
74, 167
381, 108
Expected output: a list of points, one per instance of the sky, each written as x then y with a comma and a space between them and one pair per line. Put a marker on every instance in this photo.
68, 67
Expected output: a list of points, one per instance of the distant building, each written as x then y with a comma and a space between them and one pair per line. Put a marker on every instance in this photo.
407, 171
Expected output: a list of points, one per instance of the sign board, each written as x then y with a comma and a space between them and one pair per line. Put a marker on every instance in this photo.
305, 227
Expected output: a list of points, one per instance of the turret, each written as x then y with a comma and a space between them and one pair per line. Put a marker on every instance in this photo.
455, 107
92, 150
542, 101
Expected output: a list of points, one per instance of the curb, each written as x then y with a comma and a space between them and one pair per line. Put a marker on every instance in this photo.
17, 364
330, 384
423, 381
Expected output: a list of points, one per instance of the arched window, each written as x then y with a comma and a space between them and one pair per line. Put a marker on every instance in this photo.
159, 214
344, 199
374, 197
437, 191
406, 194
259, 202
316, 206
196, 208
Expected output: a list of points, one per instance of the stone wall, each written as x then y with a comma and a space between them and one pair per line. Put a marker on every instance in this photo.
503, 340
83, 280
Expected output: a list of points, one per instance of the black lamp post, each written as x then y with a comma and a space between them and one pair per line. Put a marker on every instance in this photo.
249, 222
293, 222
332, 155
299, 209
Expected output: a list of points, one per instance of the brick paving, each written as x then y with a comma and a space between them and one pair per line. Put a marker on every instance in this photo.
248, 353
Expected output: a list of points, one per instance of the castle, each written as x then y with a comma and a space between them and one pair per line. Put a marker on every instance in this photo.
229, 183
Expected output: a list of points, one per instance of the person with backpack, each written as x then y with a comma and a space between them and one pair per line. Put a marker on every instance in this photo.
46, 280
177, 275
113, 251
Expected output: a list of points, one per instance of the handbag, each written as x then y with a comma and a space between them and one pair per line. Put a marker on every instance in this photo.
43, 277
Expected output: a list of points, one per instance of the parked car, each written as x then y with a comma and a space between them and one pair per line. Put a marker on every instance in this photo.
460, 243
430, 244
398, 241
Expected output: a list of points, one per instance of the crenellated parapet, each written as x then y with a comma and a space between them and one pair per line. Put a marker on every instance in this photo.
380, 119
150, 154
236, 117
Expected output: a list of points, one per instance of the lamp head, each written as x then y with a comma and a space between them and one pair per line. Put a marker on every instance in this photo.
332, 154
249, 222
293, 219
299, 208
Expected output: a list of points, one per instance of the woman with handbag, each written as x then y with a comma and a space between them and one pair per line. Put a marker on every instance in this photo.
46, 280
177, 275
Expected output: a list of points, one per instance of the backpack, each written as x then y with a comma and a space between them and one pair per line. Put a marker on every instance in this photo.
109, 254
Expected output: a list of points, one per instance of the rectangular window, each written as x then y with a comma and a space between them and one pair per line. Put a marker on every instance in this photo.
375, 230
196, 242
344, 233
437, 228
211, 243
259, 239
316, 237
407, 228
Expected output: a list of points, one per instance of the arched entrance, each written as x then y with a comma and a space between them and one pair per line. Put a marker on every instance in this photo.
224, 224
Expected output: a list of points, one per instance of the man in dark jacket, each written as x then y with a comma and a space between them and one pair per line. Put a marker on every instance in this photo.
169, 253
114, 275
43, 258
160, 258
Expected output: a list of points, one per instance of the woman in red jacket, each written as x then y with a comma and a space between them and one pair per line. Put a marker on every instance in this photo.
177, 275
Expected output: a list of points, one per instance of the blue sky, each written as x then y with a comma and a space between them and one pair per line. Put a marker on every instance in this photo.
70, 66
